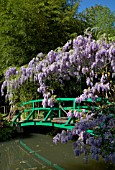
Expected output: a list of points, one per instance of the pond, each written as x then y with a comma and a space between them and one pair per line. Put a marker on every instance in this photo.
37, 152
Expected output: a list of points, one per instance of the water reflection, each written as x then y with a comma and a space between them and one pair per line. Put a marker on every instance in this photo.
39, 153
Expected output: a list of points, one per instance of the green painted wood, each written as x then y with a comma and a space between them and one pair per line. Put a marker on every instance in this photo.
59, 109
40, 123
44, 123
62, 126
68, 121
49, 112
31, 113
28, 123
17, 117
65, 108
74, 104
35, 123
91, 132
65, 99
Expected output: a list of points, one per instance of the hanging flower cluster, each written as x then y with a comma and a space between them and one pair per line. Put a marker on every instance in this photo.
101, 139
84, 57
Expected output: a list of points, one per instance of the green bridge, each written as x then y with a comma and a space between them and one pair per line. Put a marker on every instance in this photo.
32, 113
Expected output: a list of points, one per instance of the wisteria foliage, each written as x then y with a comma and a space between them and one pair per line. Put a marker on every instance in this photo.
78, 57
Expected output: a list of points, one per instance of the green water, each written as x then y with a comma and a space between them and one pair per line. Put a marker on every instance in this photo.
37, 152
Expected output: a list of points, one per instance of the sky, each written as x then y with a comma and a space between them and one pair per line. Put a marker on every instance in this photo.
88, 3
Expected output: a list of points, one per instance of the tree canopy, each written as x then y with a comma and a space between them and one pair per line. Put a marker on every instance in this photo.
29, 27
100, 18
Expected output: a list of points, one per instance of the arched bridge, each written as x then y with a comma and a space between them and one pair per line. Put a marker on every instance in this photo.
32, 113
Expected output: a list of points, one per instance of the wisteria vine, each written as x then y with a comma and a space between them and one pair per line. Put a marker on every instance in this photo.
81, 56
99, 143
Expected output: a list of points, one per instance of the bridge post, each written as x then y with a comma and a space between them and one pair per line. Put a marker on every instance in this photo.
74, 104
33, 116
59, 110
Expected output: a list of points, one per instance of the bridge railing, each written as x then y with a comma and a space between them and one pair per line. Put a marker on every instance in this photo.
60, 110
49, 112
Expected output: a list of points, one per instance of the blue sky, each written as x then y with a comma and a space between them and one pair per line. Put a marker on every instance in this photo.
87, 3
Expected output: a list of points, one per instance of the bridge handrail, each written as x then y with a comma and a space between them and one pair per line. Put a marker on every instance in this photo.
66, 99
40, 100
65, 108
59, 101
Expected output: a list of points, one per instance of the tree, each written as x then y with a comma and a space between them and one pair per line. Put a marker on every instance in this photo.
29, 27
100, 18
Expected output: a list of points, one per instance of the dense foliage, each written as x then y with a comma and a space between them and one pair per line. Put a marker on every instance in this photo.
101, 19
6, 131
29, 27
